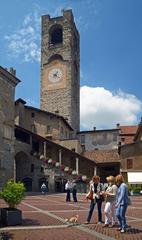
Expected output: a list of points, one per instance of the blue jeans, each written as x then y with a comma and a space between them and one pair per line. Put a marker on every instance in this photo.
99, 206
68, 195
120, 214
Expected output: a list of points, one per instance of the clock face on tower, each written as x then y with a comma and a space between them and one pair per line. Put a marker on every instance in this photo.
55, 75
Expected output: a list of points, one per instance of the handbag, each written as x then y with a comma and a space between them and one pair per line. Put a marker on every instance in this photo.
90, 195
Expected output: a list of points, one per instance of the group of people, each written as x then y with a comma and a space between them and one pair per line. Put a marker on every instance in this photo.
116, 201
71, 187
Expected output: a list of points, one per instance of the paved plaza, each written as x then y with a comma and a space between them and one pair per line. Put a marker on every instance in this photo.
44, 219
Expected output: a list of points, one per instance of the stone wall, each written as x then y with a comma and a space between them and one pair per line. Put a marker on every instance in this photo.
41, 123
26, 160
99, 139
73, 145
7, 94
131, 151
67, 99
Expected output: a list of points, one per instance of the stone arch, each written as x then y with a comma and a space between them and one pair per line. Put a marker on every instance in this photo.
28, 183
60, 184
23, 169
55, 57
56, 34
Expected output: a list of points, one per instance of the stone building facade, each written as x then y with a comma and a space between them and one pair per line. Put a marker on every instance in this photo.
60, 67
131, 159
108, 162
99, 139
8, 83
39, 160
48, 125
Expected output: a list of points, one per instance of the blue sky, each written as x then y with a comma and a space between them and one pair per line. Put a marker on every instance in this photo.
111, 54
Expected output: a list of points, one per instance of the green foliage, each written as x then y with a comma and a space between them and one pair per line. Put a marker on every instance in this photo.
13, 193
129, 187
136, 189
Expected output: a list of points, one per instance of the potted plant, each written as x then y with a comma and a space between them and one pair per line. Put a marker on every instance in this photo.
12, 193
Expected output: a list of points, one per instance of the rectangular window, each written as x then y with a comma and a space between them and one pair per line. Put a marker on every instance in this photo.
48, 128
73, 149
129, 163
62, 130
82, 139
33, 128
32, 114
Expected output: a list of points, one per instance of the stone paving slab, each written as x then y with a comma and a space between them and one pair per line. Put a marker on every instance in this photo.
44, 219
54, 207
38, 218
52, 234
131, 233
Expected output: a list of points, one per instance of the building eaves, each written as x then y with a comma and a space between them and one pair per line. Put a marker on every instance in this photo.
58, 146
9, 76
99, 130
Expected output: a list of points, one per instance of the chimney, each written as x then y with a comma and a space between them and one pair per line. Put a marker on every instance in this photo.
12, 71
118, 125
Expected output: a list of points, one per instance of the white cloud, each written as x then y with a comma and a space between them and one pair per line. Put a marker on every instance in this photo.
25, 41
103, 109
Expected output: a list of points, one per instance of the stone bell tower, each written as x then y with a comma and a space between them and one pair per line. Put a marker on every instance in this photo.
60, 67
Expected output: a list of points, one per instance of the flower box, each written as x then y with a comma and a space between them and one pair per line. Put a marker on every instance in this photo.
74, 172
66, 169
11, 216
57, 164
50, 160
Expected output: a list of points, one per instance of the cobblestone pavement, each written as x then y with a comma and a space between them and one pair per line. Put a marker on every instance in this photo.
44, 219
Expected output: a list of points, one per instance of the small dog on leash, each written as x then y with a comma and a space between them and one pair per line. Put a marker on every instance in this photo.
73, 220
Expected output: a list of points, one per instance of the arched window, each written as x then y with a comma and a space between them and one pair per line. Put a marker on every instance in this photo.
55, 57
56, 34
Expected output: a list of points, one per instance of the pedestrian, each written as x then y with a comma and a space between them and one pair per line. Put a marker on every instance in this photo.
110, 198
121, 202
74, 191
68, 190
43, 188
96, 196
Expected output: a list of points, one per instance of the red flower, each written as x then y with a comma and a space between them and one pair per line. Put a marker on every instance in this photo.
79, 177
53, 163
70, 171
46, 161
62, 167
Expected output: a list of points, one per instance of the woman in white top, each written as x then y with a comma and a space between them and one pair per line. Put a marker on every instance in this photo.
110, 196
68, 189
96, 197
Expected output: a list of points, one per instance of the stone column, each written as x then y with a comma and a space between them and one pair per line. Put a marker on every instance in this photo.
60, 157
95, 170
77, 163
44, 149
31, 140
